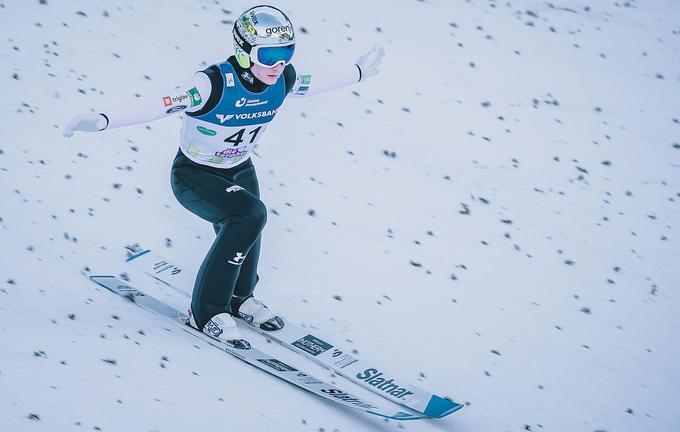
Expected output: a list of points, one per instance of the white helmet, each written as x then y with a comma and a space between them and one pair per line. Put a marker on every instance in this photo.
263, 35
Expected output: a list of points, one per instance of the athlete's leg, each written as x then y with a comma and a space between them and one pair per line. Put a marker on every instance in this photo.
247, 278
239, 216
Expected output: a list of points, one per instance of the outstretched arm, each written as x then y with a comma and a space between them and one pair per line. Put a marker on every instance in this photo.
190, 96
308, 84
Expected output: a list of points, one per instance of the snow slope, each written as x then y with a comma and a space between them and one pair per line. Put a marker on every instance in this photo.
494, 216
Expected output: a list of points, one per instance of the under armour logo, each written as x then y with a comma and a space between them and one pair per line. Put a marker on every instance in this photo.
238, 259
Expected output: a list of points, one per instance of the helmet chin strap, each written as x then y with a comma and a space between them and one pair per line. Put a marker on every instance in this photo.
243, 59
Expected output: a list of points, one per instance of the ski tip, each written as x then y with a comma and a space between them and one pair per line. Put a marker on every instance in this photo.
439, 407
135, 256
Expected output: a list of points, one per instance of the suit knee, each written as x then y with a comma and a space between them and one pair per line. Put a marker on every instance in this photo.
258, 214
250, 218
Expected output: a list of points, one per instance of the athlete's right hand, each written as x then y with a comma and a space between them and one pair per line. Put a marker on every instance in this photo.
87, 122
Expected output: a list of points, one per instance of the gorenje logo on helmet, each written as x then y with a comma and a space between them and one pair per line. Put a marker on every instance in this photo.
280, 29
375, 378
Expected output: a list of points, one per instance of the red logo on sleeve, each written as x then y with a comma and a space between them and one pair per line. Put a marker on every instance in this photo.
167, 101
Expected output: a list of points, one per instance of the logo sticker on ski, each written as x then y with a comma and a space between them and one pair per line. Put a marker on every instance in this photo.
375, 378
312, 345
277, 365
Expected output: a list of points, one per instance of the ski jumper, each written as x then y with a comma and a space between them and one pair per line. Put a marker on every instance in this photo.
213, 177
227, 110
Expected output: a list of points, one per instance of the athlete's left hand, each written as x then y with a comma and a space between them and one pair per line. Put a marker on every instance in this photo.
369, 62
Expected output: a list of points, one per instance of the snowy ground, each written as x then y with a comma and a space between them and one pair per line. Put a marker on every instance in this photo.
494, 216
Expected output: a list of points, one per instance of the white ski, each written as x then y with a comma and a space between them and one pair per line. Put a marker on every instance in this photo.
253, 356
313, 345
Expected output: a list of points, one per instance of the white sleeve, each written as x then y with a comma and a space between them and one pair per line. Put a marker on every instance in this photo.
330, 78
190, 97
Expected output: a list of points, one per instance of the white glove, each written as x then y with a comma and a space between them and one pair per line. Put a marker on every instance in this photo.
88, 122
369, 62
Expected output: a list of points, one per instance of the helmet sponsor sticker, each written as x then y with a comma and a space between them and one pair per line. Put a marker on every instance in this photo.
167, 101
246, 29
238, 39
278, 30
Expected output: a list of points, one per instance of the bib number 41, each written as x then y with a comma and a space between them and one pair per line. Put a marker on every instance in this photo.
237, 138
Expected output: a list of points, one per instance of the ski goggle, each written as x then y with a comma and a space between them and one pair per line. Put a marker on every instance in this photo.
270, 56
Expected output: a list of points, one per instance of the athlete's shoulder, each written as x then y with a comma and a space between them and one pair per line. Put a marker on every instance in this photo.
216, 84
213, 72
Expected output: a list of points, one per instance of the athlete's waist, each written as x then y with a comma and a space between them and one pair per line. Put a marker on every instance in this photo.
184, 159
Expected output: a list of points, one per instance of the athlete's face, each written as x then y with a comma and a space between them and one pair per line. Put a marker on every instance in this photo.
267, 75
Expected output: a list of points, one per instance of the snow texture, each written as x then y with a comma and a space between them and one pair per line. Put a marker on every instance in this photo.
494, 216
